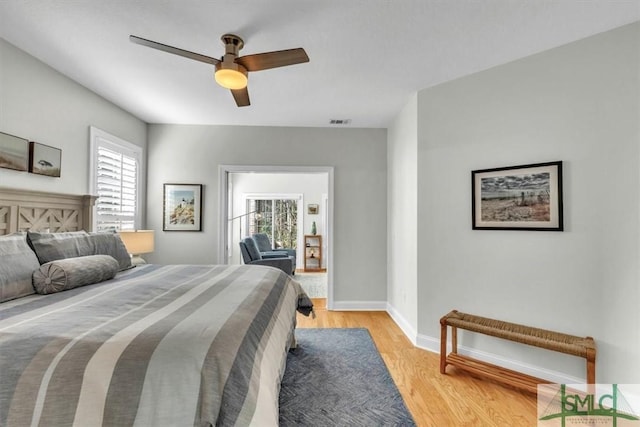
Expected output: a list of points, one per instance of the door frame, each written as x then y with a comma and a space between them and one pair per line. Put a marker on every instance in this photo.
223, 206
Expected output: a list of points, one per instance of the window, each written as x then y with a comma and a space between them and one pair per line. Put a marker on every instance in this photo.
278, 219
115, 179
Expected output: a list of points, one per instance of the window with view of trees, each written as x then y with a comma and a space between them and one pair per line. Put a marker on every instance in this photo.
278, 219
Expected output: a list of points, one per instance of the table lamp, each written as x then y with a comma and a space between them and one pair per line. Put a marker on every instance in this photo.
137, 242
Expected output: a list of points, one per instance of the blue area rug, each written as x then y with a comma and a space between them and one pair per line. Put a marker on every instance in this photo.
336, 377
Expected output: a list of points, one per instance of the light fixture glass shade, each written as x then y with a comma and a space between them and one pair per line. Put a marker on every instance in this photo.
138, 242
231, 79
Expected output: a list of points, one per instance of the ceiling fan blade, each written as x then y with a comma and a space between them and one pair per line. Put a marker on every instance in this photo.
174, 50
241, 96
280, 58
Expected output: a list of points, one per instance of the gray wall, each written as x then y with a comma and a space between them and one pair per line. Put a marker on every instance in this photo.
191, 154
577, 103
40, 104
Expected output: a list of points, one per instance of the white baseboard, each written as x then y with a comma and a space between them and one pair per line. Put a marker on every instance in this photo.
359, 306
403, 323
426, 342
433, 344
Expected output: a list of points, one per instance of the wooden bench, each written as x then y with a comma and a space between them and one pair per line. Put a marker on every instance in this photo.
569, 344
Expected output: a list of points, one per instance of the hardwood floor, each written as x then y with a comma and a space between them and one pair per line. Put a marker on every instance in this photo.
455, 399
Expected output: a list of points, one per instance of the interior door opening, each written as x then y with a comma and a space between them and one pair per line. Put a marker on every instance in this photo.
282, 202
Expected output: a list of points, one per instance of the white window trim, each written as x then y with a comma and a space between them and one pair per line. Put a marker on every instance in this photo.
98, 137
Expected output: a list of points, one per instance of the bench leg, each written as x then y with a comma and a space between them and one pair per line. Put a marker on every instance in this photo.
443, 347
454, 340
591, 368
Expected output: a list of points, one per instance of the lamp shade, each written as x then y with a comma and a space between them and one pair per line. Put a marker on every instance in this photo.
138, 241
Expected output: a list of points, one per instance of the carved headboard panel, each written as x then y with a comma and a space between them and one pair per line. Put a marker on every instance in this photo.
22, 210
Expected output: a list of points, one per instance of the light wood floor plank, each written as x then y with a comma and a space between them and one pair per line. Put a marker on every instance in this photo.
454, 399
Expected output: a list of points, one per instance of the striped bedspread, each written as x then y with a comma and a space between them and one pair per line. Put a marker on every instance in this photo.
155, 346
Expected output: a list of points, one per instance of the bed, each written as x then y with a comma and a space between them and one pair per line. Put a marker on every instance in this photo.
161, 345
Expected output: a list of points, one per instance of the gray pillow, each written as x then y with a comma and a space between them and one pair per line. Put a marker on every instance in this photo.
110, 244
69, 273
18, 264
54, 246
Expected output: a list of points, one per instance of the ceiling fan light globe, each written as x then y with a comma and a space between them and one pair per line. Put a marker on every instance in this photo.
231, 79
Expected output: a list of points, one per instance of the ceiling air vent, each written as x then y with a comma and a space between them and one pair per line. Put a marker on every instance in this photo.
340, 122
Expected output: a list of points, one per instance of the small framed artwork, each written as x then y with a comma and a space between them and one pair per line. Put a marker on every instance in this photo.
312, 209
182, 207
527, 197
44, 160
14, 152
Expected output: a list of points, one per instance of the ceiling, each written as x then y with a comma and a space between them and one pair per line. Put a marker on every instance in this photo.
366, 56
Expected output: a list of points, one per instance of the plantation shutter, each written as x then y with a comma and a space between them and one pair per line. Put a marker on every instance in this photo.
117, 190
116, 171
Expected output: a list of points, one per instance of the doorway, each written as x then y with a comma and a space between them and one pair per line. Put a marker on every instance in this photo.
239, 203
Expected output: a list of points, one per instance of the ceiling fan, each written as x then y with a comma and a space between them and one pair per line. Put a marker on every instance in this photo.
232, 70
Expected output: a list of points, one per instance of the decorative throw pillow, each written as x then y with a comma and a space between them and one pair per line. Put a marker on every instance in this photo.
54, 246
69, 273
110, 244
17, 266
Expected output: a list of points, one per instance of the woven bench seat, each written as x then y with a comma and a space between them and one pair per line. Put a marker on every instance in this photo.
564, 343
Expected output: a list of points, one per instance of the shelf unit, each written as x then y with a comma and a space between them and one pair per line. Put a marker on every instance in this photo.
313, 252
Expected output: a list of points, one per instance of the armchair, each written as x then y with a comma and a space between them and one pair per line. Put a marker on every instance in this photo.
267, 250
251, 255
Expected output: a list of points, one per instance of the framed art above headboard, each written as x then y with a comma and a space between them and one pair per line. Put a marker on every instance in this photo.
22, 210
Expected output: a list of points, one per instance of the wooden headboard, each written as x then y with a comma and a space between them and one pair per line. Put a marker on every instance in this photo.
22, 210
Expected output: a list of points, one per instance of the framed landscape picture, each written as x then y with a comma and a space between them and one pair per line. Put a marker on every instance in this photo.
44, 160
14, 152
182, 207
527, 197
